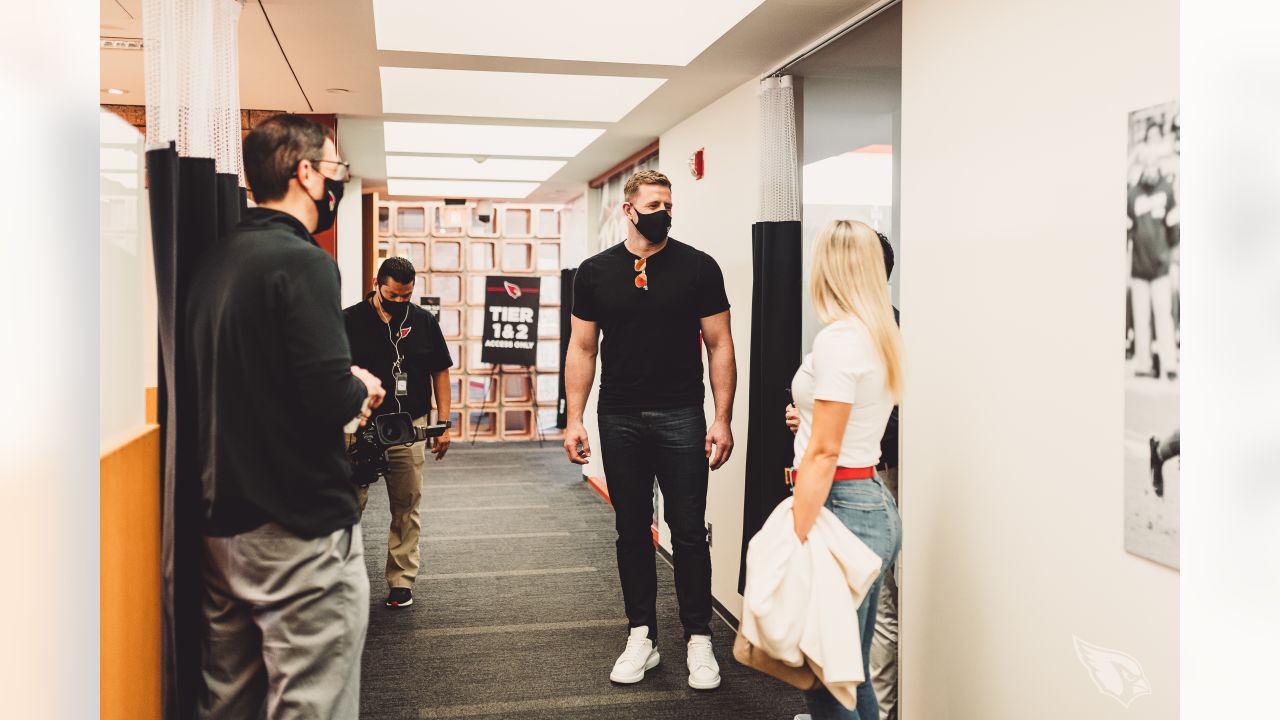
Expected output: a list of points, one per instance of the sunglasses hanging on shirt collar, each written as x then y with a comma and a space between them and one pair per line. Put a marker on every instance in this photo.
642, 276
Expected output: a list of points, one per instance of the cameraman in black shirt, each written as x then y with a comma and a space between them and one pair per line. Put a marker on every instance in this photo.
272, 384
402, 344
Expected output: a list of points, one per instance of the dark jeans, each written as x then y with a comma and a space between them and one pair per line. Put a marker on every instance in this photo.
669, 445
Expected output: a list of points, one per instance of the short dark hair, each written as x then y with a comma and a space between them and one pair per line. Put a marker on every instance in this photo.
273, 149
888, 254
398, 269
644, 177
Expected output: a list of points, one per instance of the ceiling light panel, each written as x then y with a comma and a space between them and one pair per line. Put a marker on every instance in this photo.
463, 168
533, 96
486, 140
674, 31
460, 188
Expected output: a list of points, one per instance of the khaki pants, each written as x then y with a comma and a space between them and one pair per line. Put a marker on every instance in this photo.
285, 622
884, 646
404, 490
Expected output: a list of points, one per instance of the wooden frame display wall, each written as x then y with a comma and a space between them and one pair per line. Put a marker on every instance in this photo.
453, 252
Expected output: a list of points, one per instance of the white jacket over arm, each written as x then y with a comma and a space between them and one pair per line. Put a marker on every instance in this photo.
801, 600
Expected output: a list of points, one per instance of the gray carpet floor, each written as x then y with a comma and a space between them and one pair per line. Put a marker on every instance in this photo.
517, 610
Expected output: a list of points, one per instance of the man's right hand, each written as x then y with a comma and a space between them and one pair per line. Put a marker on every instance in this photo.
576, 444
376, 392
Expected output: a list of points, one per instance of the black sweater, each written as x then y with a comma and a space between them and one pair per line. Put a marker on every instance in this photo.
270, 373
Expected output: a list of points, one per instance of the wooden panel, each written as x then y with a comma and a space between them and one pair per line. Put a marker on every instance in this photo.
152, 401
369, 206
130, 579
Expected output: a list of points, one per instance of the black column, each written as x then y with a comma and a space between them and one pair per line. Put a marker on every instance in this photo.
566, 330
775, 356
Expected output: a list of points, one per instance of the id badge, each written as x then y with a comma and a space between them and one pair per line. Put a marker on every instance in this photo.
402, 384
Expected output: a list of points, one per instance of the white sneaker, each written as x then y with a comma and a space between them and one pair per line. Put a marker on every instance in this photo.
704, 671
639, 657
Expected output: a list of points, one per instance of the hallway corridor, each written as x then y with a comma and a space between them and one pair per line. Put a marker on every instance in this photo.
517, 610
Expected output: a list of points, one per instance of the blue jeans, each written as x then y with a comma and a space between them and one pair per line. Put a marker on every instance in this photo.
867, 509
669, 445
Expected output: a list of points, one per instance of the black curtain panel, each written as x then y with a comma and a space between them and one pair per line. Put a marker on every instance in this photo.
191, 207
775, 356
566, 325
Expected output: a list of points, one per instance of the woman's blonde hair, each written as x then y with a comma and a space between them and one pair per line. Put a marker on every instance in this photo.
849, 281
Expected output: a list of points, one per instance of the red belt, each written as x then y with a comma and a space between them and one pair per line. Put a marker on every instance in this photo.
842, 473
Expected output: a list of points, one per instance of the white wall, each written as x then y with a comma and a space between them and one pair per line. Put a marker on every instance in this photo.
351, 243
715, 214
127, 306
1013, 286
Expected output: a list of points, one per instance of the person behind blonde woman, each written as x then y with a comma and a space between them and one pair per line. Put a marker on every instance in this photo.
844, 391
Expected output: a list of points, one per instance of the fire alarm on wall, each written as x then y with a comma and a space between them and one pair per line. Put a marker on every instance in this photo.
695, 165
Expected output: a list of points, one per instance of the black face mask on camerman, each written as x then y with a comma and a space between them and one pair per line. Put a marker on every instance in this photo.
653, 226
393, 308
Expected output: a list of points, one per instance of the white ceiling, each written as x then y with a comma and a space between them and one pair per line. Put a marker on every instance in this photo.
332, 44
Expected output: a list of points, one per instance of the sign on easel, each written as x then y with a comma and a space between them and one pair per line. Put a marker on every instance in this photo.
431, 304
511, 321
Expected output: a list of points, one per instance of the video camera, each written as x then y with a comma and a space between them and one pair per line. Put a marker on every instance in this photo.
368, 454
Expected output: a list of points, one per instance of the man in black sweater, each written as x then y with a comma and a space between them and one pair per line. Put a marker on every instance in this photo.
286, 593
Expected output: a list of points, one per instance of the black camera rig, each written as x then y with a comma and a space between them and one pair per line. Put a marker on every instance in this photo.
368, 453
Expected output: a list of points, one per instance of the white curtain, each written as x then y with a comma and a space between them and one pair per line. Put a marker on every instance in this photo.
193, 78
779, 163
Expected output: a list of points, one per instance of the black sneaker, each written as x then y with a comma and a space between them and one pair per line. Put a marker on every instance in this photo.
399, 597
1157, 466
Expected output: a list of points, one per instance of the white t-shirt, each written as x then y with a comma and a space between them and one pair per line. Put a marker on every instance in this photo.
845, 367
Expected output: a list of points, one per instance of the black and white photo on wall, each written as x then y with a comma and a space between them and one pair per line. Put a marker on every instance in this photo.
511, 321
431, 303
1152, 335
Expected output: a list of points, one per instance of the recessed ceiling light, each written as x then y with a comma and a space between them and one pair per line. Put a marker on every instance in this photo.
464, 168
487, 140
460, 188
674, 31
116, 91
533, 96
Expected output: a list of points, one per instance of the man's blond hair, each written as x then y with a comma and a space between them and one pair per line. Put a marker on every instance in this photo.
644, 177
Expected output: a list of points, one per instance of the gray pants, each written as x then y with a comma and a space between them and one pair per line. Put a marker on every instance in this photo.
285, 622
884, 645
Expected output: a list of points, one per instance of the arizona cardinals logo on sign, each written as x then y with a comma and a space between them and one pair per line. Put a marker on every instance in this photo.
512, 290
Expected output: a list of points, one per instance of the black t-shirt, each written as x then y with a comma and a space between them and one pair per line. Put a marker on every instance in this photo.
422, 346
271, 386
1152, 236
651, 354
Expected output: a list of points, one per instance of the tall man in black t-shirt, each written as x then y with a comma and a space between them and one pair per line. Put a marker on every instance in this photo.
393, 337
657, 300
286, 593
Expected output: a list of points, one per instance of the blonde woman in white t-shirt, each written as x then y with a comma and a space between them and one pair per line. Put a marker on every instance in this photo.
844, 391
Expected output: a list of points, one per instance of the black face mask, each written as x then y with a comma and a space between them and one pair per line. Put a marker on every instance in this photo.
327, 205
653, 226
393, 308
